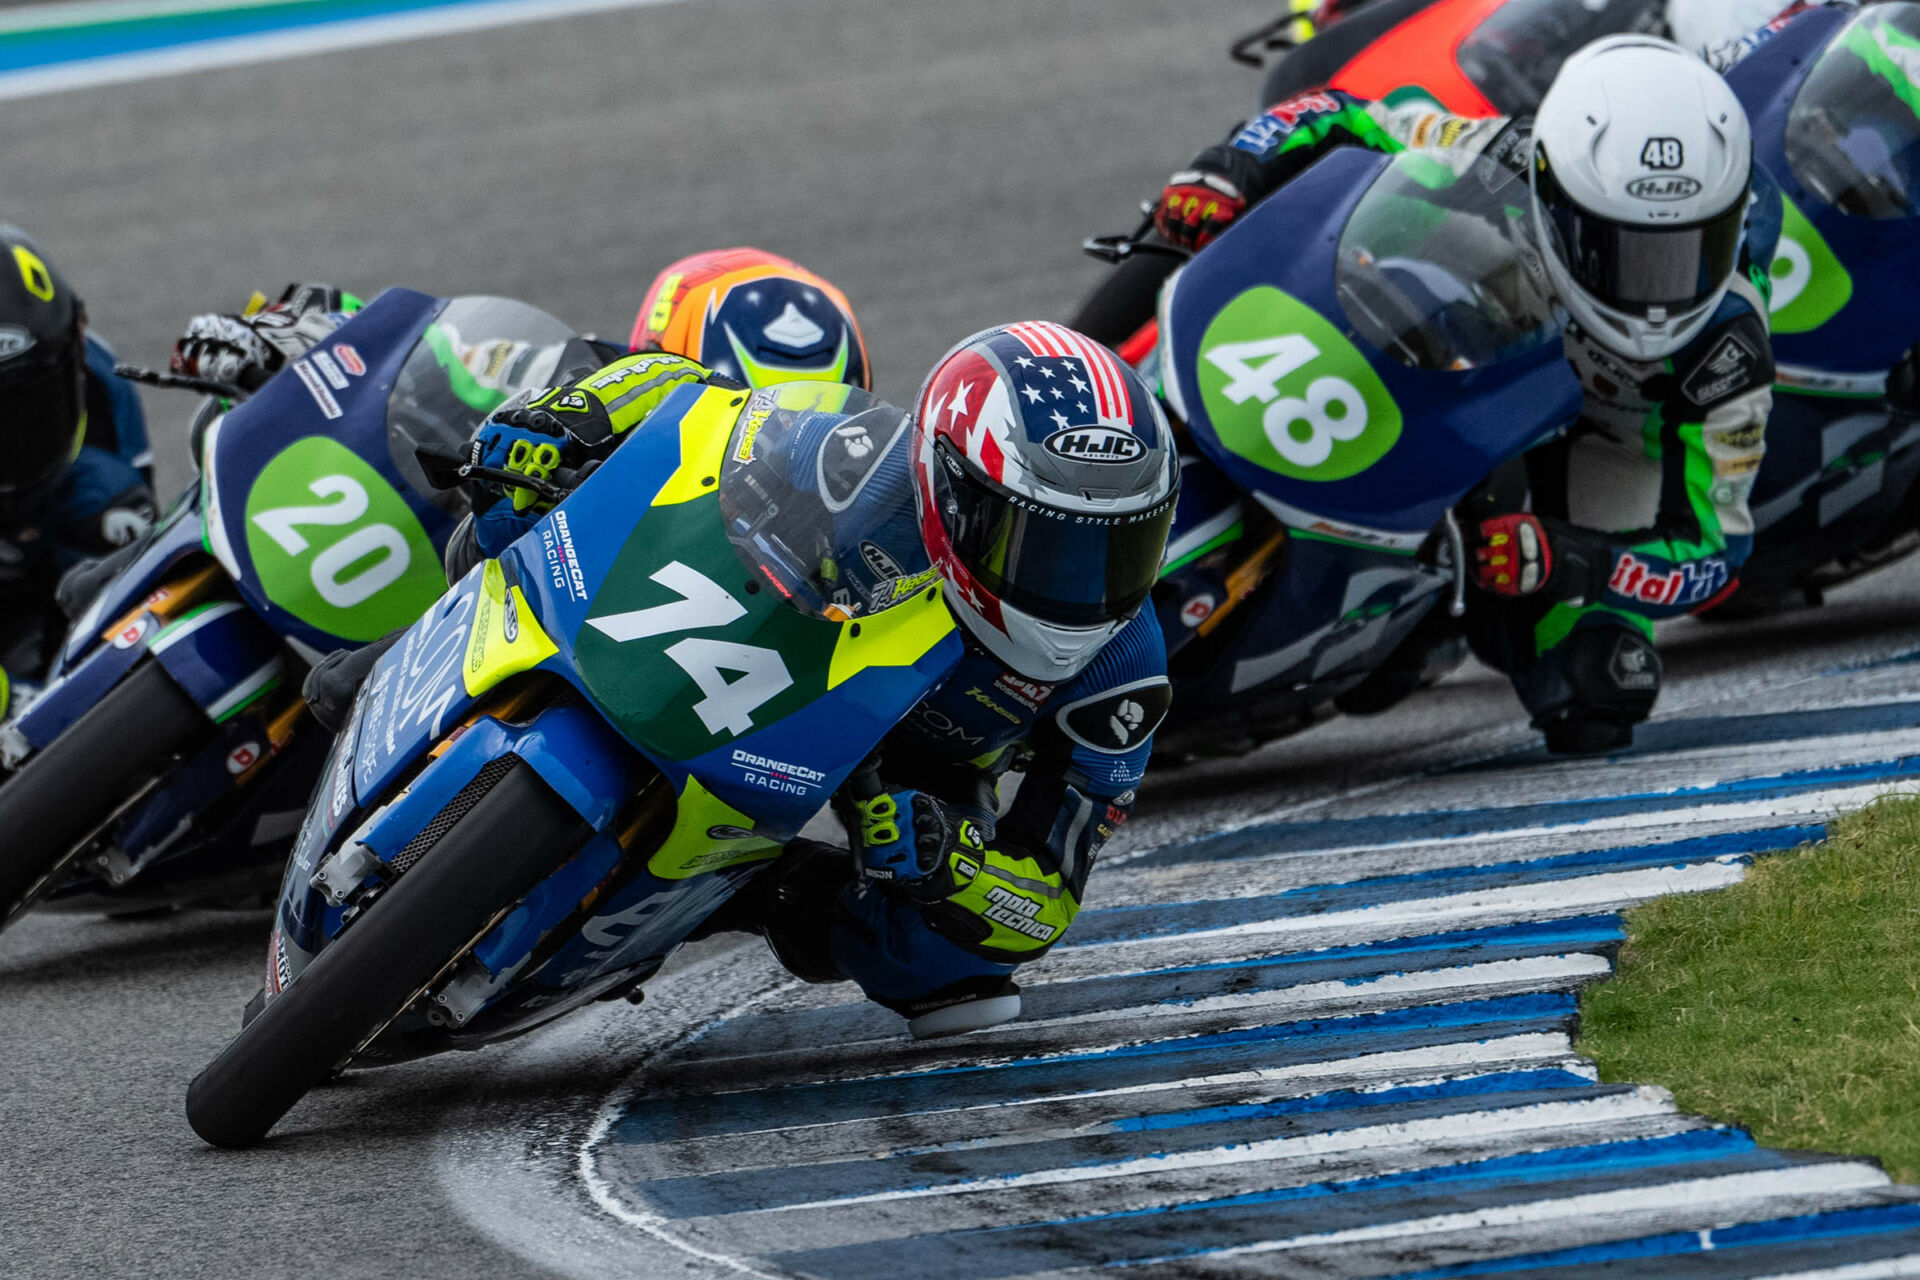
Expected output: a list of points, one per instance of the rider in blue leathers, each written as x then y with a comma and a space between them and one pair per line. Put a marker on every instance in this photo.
1045, 516
74, 461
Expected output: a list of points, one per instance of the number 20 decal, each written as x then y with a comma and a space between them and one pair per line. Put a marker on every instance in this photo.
341, 572
705, 603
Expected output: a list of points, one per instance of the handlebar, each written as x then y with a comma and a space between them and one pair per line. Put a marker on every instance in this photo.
1115, 249
449, 469
180, 382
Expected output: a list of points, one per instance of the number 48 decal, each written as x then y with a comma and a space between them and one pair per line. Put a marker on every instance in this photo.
703, 603
1332, 410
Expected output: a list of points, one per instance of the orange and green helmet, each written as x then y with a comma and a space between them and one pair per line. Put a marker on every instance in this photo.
754, 316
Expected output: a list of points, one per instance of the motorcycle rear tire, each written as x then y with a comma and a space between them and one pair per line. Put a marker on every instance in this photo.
57, 798
486, 862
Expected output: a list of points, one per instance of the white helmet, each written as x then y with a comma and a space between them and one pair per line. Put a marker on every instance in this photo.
1642, 167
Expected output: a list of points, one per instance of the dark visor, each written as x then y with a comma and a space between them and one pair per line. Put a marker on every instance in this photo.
1637, 267
39, 429
1063, 567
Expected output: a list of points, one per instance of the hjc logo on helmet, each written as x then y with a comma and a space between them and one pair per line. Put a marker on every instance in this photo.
1664, 187
1095, 444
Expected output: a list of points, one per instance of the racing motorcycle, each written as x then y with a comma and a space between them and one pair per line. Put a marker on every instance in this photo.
169, 758
1363, 353
580, 752
1832, 99
1470, 57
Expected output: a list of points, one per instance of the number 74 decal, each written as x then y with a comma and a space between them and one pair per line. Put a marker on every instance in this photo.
703, 603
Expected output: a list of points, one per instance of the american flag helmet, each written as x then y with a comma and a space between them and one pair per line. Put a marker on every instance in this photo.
755, 317
1045, 476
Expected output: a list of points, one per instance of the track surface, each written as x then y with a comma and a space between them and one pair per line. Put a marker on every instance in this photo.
939, 161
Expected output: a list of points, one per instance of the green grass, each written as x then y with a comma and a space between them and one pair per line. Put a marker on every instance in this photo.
1788, 1004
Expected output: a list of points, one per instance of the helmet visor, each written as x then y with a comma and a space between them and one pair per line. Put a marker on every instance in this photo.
1637, 267
1067, 568
40, 426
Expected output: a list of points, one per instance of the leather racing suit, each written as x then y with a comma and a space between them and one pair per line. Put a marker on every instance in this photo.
1653, 479
1083, 745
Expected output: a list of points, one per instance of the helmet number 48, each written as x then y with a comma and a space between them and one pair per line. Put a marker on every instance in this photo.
1303, 430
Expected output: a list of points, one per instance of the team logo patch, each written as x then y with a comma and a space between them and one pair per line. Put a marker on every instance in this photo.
1733, 365
1632, 665
1095, 444
1118, 721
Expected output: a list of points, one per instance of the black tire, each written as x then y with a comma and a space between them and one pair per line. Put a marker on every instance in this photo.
1124, 299
487, 861
63, 793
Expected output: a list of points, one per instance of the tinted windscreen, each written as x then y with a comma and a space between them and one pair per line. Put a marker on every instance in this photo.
1514, 55
1853, 135
814, 492
477, 353
1438, 268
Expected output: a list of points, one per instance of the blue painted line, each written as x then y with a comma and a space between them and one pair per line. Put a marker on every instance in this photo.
1195, 1229
758, 1033
916, 1168
1405, 828
695, 1113
91, 41
1661, 736
1113, 924
1901, 1220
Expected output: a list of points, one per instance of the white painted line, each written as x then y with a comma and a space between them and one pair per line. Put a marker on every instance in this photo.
1388, 991
1881, 1269
1831, 801
1699, 1192
235, 51
1465, 1126
1412, 918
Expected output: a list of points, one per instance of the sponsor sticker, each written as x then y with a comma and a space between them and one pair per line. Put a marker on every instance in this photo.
243, 758
350, 360
329, 370
14, 341
131, 634
563, 566
317, 388
1197, 610
1664, 188
1684, 584
777, 775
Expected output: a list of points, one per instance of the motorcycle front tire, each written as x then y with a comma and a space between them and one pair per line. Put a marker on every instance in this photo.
431, 916
59, 796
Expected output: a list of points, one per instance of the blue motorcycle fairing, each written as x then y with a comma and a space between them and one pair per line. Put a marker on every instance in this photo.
1459, 425
1871, 332
179, 534
222, 654
256, 432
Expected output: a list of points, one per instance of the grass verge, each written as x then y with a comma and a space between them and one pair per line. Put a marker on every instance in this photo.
1788, 1004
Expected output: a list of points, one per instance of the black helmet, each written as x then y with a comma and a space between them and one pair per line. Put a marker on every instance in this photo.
43, 404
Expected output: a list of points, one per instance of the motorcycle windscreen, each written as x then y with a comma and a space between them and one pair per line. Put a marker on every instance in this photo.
1437, 266
1853, 133
1514, 55
476, 355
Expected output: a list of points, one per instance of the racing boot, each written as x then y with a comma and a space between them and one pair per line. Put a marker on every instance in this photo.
1589, 691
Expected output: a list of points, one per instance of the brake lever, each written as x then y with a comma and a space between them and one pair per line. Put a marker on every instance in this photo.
1457, 546
1116, 249
179, 381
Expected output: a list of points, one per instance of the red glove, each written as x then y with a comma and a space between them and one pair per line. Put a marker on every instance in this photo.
1510, 554
1197, 206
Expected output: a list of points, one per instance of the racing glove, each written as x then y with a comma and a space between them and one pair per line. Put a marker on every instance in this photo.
1518, 554
1197, 205
527, 442
999, 905
245, 350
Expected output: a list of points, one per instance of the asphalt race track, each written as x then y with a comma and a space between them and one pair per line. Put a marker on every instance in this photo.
1315, 1020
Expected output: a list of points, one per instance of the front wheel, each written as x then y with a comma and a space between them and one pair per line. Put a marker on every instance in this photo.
62, 795
486, 862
